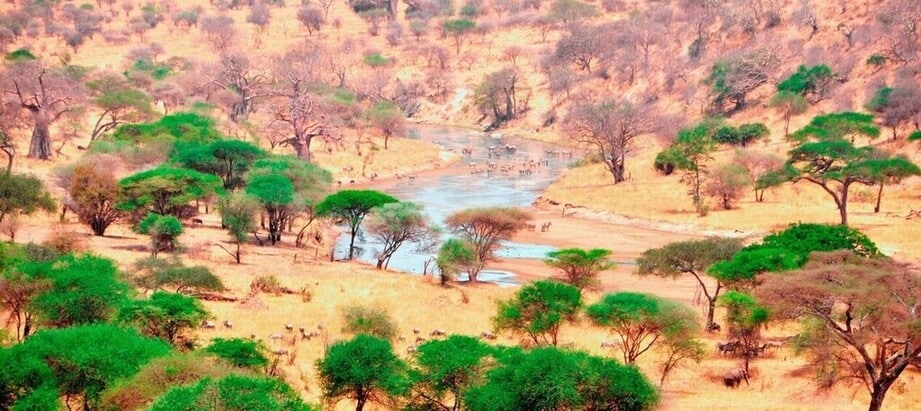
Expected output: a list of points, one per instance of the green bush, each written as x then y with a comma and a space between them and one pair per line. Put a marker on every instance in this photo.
806, 80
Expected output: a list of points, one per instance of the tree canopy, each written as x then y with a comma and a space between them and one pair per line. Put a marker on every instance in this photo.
79, 361
164, 315
233, 392
350, 207
484, 229
640, 320
446, 369
239, 352
580, 267
694, 257
364, 369
228, 159
858, 314
167, 191
548, 378
394, 224
539, 310
23, 194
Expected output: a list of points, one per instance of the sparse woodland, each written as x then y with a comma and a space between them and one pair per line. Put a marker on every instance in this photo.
739, 221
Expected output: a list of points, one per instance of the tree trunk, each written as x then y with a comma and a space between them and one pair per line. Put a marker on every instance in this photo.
99, 227
40, 146
380, 263
302, 148
879, 197
352, 244
711, 310
360, 403
878, 395
842, 205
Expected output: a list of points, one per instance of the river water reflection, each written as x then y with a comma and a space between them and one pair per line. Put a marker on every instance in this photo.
467, 184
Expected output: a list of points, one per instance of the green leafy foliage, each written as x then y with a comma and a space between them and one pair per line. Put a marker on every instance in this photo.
363, 369
915, 136
640, 320
551, 379
80, 290
742, 135
580, 267
837, 126
286, 187
23, 194
454, 256
238, 215
167, 191
807, 80
228, 159
164, 231
790, 249
80, 361
377, 322
350, 207
233, 393
789, 104
158, 273
164, 315
880, 99
182, 127
158, 376
539, 310
566, 11
445, 369
239, 352
21, 54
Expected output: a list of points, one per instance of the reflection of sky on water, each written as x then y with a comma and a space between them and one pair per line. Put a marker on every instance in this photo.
460, 189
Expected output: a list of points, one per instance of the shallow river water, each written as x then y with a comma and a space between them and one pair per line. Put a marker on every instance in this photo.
467, 184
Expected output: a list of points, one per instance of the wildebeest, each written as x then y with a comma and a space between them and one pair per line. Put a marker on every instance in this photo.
733, 378
289, 327
438, 333
207, 324
713, 328
488, 335
197, 221
411, 349
728, 347
228, 324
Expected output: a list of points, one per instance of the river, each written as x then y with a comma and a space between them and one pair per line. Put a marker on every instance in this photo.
466, 184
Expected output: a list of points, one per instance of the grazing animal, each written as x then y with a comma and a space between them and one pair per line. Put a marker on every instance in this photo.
289, 327
415, 331
401, 338
252, 336
438, 333
734, 377
207, 324
197, 221
411, 349
276, 336
280, 351
610, 344
713, 328
728, 347
420, 339
228, 324
488, 335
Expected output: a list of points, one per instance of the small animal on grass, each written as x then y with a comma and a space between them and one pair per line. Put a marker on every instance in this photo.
733, 378
207, 324
228, 324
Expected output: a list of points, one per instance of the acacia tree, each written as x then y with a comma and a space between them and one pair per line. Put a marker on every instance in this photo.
761, 167
889, 170
859, 318
689, 152
454, 255
836, 165
167, 191
641, 320
46, 92
118, 102
81, 290
445, 369
548, 378
95, 192
23, 194
694, 257
227, 159
364, 369
164, 315
387, 117
459, 29
837, 126
611, 127
232, 391
745, 318
580, 267
539, 310
351, 207
394, 224
789, 104
484, 229
238, 215
286, 187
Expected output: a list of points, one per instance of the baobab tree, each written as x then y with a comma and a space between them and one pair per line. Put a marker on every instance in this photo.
297, 105
46, 92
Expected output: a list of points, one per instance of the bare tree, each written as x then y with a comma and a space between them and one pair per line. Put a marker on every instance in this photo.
47, 93
757, 164
237, 74
297, 105
311, 18
220, 31
611, 127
